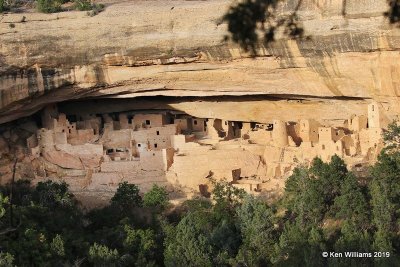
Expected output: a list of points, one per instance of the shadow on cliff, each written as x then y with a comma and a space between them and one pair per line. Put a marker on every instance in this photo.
394, 12
252, 23
248, 18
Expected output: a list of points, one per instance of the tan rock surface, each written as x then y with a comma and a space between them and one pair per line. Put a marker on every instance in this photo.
63, 160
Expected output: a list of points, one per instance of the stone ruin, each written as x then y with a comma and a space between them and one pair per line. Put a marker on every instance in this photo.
97, 151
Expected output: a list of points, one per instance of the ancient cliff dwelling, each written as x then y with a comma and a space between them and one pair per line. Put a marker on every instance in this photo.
95, 150
165, 99
199, 133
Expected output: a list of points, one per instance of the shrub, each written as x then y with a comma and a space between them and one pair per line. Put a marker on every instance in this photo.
49, 6
83, 5
86, 5
6, 5
2, 6
96, 9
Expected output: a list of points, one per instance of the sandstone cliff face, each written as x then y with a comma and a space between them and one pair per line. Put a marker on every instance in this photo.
145, 56
141, 48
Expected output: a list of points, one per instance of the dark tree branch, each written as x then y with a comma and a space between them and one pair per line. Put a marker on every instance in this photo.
250, 17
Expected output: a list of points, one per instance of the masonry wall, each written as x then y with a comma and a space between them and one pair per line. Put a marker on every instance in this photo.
308, 130
149, 120
198, 125
153, 160
120, 138
279, 133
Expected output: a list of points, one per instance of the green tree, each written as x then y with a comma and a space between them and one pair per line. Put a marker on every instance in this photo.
52, 195
156, 197
127, 196
57, 246
309, 193
32, 247
352, 238
226, 197
100, 255
352, 204
391, 137
255, 221
141, 245
190, 244
331, 175
3, 201
304, 198
385, 194
290, 249
226, 240
6, 260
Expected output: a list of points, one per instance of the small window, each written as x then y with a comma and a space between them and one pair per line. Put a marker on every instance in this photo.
154, 154
323, 147
110, 151
139, 145
226, 123
373, 108
147, 122
155, 145
195, 122
158, 132
69, 130
63, 131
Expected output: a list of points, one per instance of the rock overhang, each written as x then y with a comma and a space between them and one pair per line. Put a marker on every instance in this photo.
137, 49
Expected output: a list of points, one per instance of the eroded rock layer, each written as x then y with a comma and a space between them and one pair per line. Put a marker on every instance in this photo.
146, 48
